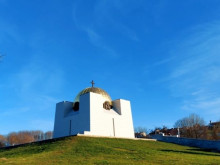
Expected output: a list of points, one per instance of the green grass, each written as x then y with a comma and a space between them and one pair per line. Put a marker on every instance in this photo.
89, 150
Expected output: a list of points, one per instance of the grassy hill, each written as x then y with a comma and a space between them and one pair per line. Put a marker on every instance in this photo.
89, 150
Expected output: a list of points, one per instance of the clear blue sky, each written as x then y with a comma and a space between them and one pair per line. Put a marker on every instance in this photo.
163, 56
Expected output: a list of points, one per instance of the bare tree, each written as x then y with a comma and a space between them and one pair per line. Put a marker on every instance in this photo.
13, 138
2, 141
38, 135
20, 137
25, 137
215, 131
141, 129
191, 126
191, 120
48, 135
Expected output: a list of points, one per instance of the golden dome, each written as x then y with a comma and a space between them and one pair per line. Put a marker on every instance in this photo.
94, 90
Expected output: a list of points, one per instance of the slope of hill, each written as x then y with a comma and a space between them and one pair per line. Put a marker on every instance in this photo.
89, 150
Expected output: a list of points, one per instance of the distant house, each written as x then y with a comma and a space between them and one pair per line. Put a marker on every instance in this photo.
167, 132
172, 131
140, 135
212, 124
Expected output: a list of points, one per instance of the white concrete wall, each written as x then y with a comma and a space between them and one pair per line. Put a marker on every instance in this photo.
61, 126
102, 119
79, 120
124, 123
93, 119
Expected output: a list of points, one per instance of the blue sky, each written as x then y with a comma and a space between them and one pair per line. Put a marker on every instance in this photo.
163, 56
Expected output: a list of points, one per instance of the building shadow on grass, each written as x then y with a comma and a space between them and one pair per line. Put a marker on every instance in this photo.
207, 152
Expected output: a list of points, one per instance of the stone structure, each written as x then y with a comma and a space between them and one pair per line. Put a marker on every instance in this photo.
94, 113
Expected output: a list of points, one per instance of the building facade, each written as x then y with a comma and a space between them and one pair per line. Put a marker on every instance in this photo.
94, 113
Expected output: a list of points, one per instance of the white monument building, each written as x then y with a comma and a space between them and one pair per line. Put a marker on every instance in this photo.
94, 113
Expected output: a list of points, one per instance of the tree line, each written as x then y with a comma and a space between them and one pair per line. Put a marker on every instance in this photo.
192, 126
21, 137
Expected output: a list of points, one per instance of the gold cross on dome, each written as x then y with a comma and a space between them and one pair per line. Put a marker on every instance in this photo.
92, 83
